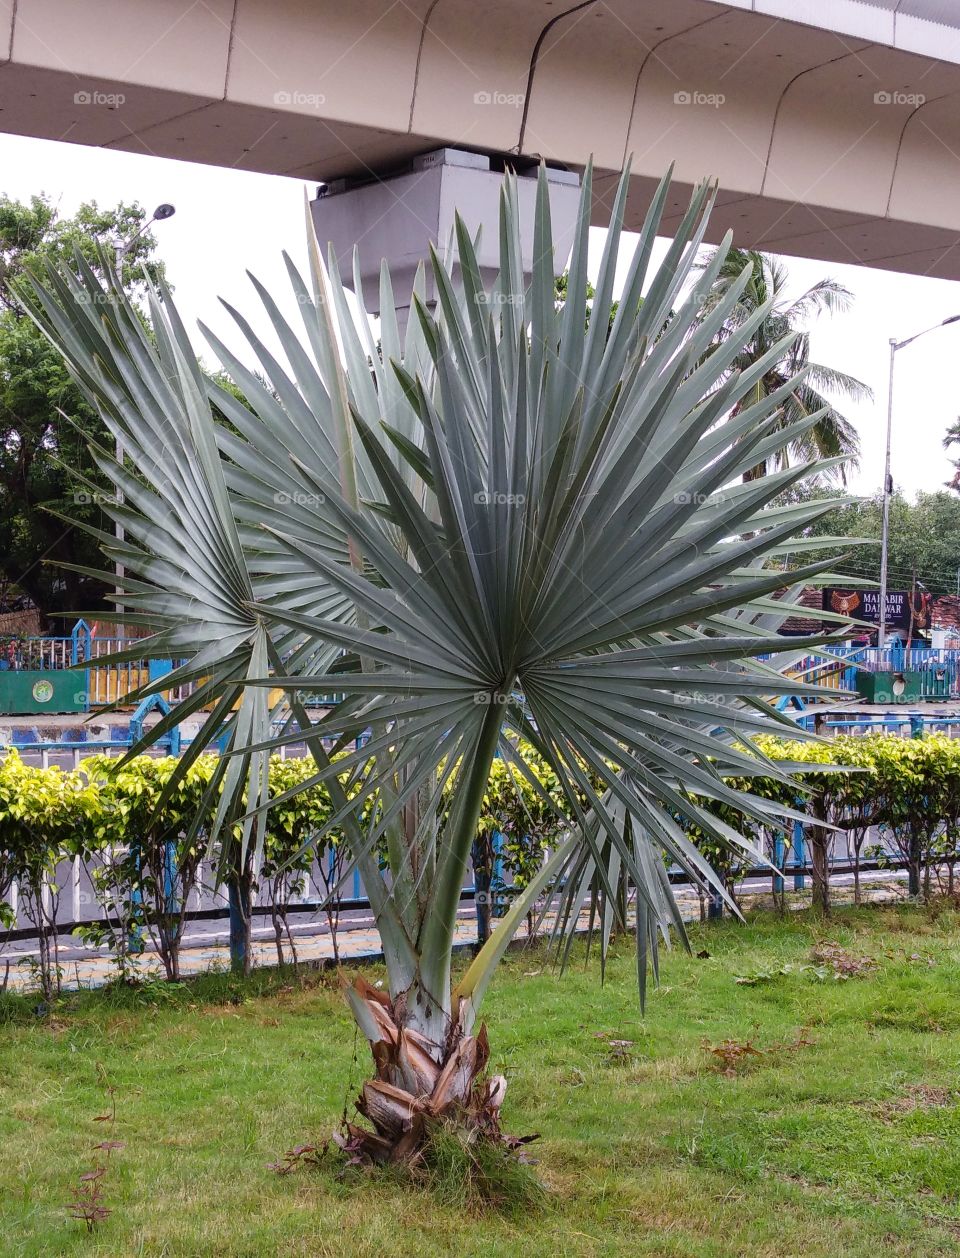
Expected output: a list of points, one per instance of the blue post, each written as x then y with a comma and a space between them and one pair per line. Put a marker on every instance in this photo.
80, 653
171, 902
158, 668
80, 642
779, 854
498, 855
135, 943
799, 856
916, 725
714, 906
332, 869
154, 703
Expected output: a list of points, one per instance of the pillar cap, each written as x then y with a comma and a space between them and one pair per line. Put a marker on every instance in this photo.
398, 216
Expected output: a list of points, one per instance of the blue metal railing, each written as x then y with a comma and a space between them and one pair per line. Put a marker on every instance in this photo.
938, 667
104, 683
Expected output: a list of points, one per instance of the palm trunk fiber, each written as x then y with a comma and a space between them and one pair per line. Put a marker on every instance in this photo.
418, 1083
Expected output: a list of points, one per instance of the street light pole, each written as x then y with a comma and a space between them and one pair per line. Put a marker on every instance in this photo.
888, 477
885, 534
161, 212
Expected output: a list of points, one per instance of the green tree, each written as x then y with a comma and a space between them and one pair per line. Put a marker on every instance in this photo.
924, 538
784, 323
150, 842
560, 298
507, 525
917, 781
35, 387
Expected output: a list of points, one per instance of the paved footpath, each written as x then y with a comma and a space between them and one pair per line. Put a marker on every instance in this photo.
359, 941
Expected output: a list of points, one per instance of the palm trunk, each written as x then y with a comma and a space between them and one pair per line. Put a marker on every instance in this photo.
417, 1083
428, 1063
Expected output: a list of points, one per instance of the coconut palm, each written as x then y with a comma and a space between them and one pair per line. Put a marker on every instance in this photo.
833, 436
505, 525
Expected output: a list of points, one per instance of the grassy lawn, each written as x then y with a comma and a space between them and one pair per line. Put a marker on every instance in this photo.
841, 1136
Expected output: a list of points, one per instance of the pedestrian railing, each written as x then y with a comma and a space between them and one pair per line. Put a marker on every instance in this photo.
937, 668
78, 905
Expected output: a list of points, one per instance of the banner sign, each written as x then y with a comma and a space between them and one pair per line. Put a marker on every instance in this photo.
865, 605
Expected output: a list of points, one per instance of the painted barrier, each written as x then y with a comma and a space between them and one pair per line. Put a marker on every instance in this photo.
29, 666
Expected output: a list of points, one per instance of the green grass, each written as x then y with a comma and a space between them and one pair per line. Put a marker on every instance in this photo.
844, 1138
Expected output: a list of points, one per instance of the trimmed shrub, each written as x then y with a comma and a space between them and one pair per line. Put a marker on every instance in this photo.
47, 817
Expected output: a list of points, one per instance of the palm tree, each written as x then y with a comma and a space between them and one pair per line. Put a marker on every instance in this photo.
505, 525
833, 436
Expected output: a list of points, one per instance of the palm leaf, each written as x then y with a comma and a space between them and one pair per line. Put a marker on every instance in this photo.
510, 525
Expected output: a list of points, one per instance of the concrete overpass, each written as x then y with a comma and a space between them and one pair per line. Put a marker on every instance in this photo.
833, 125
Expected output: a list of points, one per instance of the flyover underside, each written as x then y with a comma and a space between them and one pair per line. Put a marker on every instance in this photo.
830, 143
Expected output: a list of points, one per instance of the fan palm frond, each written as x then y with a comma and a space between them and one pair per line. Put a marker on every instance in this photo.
514, 523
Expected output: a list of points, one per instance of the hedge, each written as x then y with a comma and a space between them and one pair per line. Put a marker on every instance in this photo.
147, 860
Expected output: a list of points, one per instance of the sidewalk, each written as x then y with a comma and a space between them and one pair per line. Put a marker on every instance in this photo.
359, 941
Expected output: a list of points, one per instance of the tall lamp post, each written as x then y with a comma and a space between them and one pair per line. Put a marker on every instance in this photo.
888, 479
161, 212
165, 210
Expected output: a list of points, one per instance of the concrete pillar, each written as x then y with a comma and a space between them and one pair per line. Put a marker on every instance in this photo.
399, 215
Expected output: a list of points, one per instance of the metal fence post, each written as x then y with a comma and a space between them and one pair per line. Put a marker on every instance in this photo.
779, 853
498, 842
799, 856
80, 642
135, 940
171, 901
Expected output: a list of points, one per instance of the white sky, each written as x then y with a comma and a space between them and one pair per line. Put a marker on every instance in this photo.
228, 221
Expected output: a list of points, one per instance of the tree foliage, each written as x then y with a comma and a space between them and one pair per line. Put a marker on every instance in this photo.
833, 436
924, 538
36, 440
46, 818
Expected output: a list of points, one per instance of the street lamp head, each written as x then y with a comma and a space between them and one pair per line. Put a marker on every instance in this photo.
895, 345
167, 211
